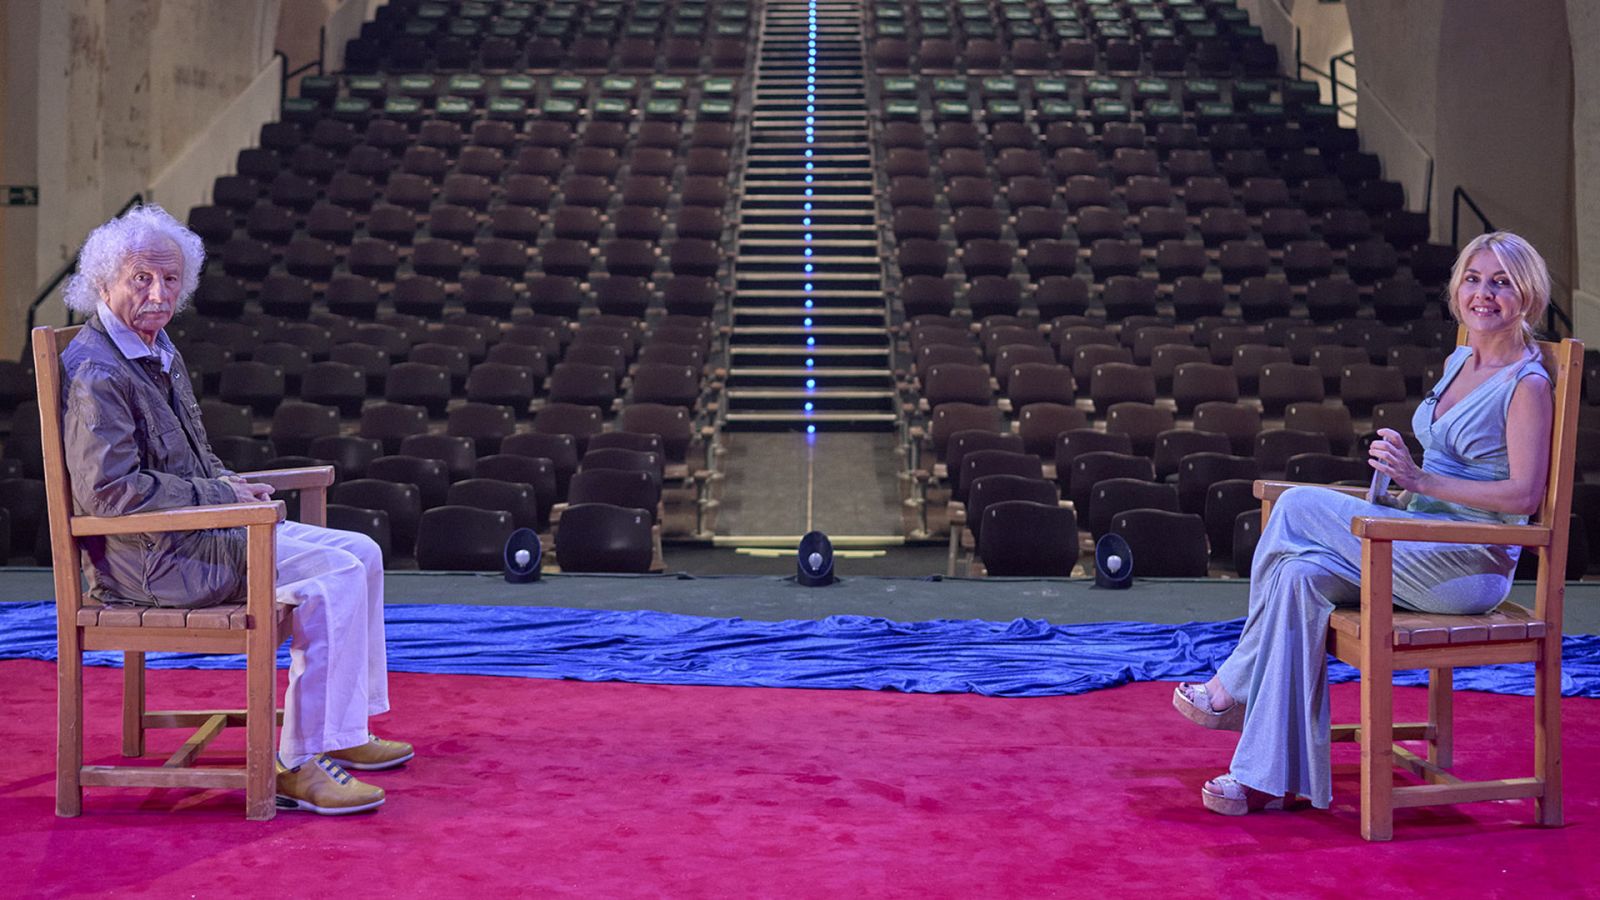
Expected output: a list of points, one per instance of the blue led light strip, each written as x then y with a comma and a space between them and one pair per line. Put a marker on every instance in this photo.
805, 219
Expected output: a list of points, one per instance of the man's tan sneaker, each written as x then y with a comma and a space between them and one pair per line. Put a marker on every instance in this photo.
373, 756
321, 786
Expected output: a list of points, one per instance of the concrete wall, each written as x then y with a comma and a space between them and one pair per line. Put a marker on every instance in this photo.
1505, 122
299, 28
122, 88
19, 69
1583, 23
302, 22
186, 181
1486, 91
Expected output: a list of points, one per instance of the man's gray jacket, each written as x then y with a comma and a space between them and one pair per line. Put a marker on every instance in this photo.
135, 443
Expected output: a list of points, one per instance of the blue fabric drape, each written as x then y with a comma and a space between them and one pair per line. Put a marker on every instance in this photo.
1021, 658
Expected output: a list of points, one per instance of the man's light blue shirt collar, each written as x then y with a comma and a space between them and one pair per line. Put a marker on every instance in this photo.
129, 342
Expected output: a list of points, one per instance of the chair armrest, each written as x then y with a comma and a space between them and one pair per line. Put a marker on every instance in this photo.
292, 479
1270, 491
1382, 529
186, 518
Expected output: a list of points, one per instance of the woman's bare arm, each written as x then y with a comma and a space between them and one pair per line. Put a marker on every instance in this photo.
1528, 424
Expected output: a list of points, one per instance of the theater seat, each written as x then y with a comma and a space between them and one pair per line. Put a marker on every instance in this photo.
1164, 544
463, 538
1021, 538
599, 537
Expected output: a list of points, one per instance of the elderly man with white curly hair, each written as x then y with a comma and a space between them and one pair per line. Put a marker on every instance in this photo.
135, 443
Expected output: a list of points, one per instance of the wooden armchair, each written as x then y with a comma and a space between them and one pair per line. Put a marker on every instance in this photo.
1377, 640
250, 627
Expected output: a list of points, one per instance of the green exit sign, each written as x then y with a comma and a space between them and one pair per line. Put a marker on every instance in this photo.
21, 194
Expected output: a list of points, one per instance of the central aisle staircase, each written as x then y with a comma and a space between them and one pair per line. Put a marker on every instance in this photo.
809, 349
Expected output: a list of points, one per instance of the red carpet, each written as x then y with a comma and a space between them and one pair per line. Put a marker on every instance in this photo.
530, 787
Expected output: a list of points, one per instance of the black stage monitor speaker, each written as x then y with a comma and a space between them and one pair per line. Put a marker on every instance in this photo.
522, 556
1113, 562
816, 560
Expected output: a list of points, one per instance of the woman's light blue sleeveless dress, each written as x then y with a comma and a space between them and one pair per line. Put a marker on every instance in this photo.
1307, 562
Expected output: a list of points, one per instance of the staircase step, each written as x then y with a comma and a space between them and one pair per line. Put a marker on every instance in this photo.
798, 378
831, 421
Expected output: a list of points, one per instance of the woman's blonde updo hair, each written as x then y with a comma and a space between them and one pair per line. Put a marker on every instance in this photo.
1522, 264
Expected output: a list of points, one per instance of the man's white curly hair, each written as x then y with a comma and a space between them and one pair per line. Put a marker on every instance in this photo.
108, 246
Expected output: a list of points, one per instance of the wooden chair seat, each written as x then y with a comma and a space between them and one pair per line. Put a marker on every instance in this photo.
1508, 622
223, 617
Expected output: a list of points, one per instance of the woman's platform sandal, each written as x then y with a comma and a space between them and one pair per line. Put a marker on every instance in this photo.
1193, 702
1224, 794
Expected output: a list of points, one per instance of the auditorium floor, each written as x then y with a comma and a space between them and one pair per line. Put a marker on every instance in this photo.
778, 484
775, 597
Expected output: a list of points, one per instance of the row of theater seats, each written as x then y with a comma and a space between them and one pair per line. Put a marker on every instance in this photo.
510, 98
1363, 363
1146, 20
259, 362
1262, 103
458, 513
577, 218
1214, 38
499, 297
685, 36
1087, 242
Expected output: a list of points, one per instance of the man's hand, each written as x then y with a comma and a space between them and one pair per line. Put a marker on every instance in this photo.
246, 491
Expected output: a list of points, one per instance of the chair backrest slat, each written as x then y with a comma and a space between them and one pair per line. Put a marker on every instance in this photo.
47, 345
1564, 362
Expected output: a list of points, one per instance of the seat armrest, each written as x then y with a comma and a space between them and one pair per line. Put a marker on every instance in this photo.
292, 479
1381, 529
1270, 491
185, 518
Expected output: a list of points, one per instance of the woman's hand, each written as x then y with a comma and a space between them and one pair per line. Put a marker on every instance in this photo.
1401, 500
1390, 456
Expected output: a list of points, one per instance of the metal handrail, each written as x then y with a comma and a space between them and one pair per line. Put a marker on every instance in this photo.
288, 73
1347, 58
1457, 197
1460, 196
67, 269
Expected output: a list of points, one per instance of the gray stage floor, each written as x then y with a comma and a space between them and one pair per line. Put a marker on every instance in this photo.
788, 484
904, 599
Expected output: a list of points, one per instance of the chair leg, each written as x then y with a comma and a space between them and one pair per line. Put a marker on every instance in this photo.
133, 705
69, 723
1377, 756
1377, 691
1547, 809
260, 768
1441, 715
261, 678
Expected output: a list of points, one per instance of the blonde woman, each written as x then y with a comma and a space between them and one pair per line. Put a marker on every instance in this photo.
1485, 433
